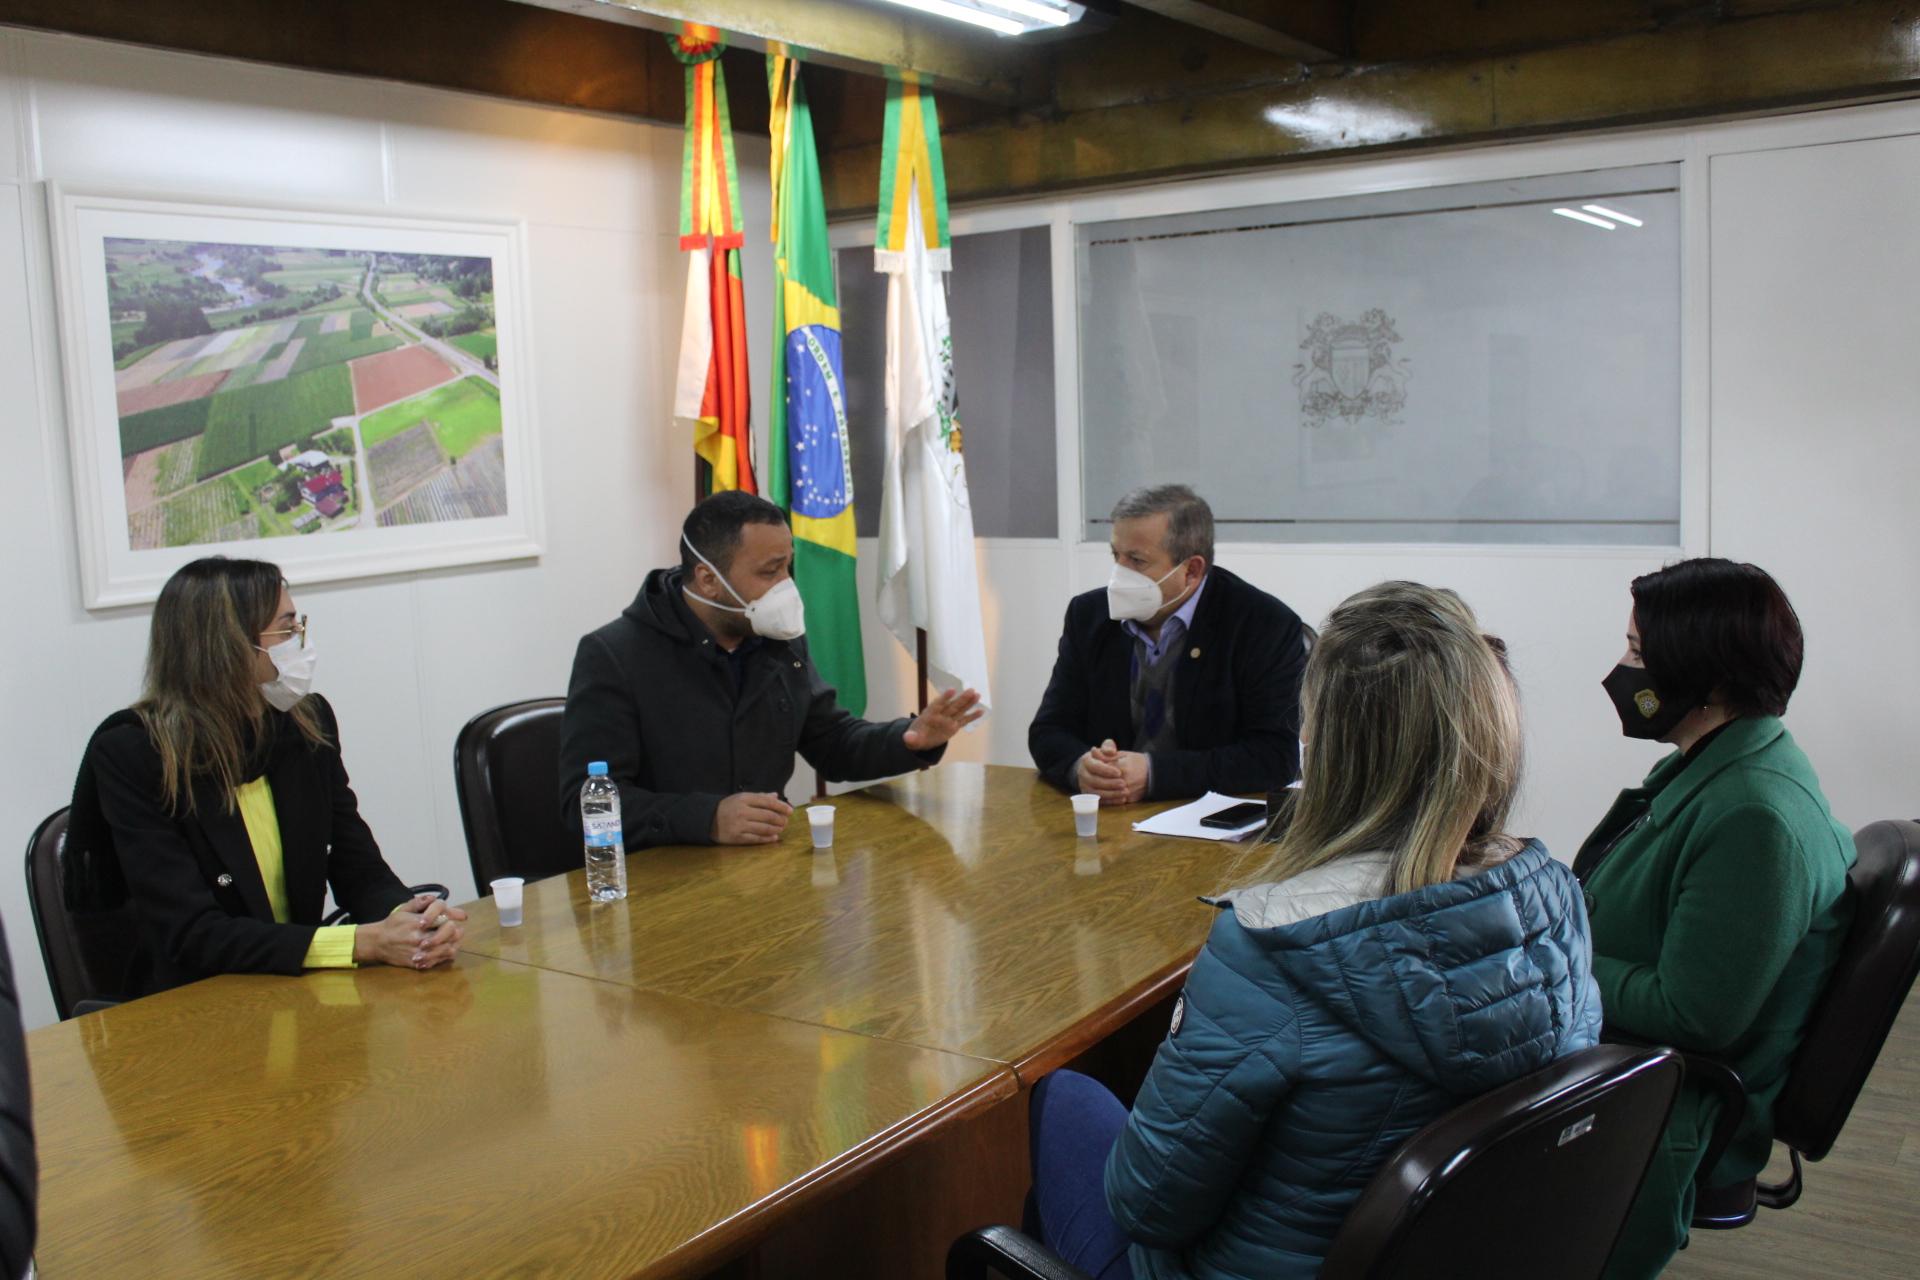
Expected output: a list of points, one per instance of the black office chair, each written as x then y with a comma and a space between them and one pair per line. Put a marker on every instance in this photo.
88, 954
1562, 1152
506, 770
1843, 1040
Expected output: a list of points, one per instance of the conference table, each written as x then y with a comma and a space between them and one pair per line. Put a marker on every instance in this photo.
764, 1061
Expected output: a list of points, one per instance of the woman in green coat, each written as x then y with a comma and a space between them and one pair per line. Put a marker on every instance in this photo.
1717, 887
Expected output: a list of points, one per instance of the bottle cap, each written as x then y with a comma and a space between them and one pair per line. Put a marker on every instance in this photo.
598, 769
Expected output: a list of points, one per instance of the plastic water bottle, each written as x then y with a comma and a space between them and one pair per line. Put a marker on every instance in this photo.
600, 824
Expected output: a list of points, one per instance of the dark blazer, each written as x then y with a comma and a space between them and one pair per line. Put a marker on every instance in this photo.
1236, 694
654, 697
195, 885
19, 1172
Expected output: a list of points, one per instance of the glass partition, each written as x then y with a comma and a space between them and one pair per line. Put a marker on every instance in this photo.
1491, 363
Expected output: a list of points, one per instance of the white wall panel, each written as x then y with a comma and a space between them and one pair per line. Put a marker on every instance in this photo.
467, 154
132, 119
1816, 457
13, 110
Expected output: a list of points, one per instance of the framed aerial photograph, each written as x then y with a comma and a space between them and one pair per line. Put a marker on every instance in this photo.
342, 393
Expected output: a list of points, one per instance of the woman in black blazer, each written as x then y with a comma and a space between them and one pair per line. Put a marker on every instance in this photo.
224, 796
19, 1171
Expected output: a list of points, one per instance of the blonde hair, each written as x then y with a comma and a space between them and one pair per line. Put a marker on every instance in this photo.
1412, 740
202, 706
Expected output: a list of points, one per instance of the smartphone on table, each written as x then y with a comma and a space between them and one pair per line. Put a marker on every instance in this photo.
1236, 816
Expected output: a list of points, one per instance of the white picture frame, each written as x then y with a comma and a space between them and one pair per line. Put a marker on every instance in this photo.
375, 490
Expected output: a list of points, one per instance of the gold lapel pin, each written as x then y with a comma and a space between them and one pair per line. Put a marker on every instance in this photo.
1194, 652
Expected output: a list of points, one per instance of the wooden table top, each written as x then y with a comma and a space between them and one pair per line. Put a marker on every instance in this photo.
489, 1118
956, 911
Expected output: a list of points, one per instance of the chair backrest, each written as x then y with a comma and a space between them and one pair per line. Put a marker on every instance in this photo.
1869, 984
1532, 1179
506, 768
88, 954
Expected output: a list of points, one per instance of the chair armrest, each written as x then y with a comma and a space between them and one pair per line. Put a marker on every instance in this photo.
1006, 1251
1717, 1078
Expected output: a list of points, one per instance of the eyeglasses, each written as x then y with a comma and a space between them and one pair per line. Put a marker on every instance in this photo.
299, 628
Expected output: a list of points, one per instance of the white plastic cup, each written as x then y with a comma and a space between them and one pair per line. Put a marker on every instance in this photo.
1086, 815
820, 819
507, 899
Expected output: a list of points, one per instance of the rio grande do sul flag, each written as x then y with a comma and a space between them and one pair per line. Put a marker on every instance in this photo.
809, 463
928, 577
710, 393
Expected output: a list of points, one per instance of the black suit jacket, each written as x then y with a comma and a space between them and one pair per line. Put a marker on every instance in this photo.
1236, 694
19, 1173
194, 882
653, 696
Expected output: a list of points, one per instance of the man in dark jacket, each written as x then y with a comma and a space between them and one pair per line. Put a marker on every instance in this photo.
1179, 678
700, 693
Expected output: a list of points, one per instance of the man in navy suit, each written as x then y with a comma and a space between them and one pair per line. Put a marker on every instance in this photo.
1178, 677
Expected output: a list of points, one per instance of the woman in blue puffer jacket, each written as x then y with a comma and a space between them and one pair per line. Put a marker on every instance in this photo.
1396, 954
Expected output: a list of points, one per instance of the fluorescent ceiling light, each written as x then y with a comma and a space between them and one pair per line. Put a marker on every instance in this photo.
996, 15
1343, 124
1615, 214
964, 13
1578, 216
1037, 10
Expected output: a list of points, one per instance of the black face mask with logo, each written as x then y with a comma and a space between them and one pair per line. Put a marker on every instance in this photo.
1645, 708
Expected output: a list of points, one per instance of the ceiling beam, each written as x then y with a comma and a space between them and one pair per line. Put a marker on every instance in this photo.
1416, 30
1305, 30
493, 47
1856, 52
867, 39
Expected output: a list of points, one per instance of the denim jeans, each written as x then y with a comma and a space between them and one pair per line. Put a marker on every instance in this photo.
1073, 1122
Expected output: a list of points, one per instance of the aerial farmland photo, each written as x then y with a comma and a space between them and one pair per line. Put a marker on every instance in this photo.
269, 392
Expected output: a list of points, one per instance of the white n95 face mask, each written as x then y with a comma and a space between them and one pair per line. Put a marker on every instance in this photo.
780, 614
293, 664
1134, 597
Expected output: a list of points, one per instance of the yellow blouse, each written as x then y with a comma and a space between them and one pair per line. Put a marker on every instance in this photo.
332, 946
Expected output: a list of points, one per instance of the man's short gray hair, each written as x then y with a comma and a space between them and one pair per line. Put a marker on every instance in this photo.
1189, 518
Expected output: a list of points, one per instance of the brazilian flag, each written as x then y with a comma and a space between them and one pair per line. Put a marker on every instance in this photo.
810, 467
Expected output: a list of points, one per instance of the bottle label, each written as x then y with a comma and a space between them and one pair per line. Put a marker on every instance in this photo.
602, 833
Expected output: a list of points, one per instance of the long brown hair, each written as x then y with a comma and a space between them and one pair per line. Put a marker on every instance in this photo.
1412, 730
202, 706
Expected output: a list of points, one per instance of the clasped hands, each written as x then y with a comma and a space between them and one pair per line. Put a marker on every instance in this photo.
420, 934
1116, 776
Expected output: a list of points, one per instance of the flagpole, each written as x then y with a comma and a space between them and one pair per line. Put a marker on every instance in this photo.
920, 661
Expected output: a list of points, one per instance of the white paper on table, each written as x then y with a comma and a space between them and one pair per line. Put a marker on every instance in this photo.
1185, 821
